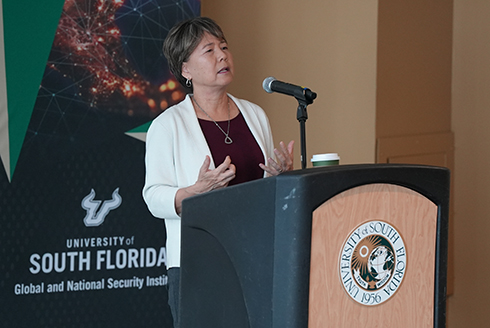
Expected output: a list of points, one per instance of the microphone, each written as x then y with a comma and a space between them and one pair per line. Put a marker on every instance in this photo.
271, 85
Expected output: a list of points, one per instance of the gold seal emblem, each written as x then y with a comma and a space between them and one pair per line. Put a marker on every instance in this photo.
372, 263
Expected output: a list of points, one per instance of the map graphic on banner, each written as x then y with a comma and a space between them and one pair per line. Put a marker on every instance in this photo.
79, 247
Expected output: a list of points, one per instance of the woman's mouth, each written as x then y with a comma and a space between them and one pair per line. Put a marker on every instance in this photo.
223, 70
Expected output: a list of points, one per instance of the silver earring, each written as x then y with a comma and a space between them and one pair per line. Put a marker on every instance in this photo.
188, 83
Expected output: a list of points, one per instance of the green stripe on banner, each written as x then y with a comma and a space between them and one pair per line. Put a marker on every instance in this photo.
140, 131
4, 129
29, 29
141, 128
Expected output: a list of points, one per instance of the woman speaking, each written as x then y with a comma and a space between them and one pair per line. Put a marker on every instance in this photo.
208, 141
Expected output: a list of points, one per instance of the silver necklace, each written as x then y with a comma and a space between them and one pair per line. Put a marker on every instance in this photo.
228, 140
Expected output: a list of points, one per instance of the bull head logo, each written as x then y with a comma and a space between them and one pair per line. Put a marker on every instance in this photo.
95, 216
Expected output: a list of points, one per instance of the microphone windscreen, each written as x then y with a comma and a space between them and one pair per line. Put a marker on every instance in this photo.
267, 84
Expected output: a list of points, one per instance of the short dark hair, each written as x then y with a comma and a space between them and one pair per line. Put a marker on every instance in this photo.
182, 40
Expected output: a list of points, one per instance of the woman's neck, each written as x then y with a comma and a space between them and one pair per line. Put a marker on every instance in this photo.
216, 105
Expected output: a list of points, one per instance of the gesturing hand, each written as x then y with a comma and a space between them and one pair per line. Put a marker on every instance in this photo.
207, 180
214, 179
285, 159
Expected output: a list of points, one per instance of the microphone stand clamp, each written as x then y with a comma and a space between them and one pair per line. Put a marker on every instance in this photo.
304, 99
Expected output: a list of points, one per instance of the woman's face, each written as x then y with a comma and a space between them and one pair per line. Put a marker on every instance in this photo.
210, 65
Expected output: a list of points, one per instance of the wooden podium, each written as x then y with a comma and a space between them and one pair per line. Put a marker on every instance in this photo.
344, 246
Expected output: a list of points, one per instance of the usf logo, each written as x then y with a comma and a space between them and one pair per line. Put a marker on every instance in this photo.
96, 212
373, 262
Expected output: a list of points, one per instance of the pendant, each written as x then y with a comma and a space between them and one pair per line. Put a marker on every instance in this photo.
228, 140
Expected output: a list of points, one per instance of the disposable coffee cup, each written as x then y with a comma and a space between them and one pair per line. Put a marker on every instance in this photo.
325, 159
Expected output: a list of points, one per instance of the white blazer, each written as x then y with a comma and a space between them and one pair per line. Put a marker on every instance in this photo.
175, 151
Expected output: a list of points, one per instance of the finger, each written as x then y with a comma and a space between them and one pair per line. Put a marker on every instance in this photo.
205, 165
287, 160
268, 169
203, 184
287, 151
274, 167
280, 155
229, 173
225, 165
232, 168
291, 147
283, 148
284, 158
225, 177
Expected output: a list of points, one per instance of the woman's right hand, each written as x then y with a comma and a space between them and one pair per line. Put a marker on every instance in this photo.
214, 179
207, 180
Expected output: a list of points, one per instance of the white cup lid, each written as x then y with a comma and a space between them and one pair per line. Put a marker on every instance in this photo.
325, 157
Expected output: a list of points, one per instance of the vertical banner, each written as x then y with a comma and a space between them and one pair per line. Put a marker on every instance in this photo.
78, 247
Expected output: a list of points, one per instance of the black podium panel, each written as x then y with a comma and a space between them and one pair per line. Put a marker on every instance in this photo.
228, 259
246, 249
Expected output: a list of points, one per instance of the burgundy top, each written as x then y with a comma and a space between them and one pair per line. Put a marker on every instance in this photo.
244, 151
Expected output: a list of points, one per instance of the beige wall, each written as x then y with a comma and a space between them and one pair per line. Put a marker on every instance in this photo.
326, 45
414, 67
469, 307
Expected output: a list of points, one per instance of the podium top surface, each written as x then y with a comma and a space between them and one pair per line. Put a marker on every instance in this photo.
431, 181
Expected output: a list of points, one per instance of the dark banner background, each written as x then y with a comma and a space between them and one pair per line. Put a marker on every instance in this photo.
105, 76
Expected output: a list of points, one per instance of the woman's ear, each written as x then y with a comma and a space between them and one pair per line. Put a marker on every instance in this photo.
185, 72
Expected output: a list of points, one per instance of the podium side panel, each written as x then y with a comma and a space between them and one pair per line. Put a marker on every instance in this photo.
216, 296
227, 257
415, 219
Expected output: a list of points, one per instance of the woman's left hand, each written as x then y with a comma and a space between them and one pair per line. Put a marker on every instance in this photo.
284, 159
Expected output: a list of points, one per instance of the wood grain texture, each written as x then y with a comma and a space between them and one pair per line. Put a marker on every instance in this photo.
414, 217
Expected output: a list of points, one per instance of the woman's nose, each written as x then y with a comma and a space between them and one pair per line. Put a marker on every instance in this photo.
222, 55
